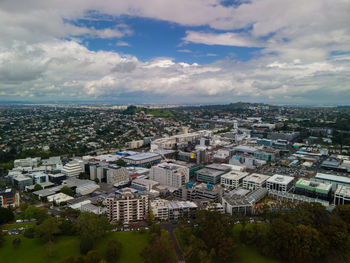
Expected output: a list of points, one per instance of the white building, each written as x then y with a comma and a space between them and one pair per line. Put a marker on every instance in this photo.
135, 144
255, 181
73, 168
233, 179
59, 198
281, 183
127, 207
28, 162
342, 195
173, 210
117, 175
169, 174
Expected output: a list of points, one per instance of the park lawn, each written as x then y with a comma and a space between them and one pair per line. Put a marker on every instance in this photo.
33, 250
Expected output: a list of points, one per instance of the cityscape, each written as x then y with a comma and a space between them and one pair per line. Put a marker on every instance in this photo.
174, 131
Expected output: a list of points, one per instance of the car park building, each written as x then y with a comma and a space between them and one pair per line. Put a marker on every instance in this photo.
255, 181
281, 183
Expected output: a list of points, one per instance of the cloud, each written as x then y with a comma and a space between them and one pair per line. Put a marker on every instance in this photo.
42, 55
184, 50
224, 39
122, 44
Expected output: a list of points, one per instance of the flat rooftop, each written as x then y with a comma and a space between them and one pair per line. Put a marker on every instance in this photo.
333, 178
343, 190
209, 172
217, 166
302, 183
256, 178
280, 179
234, 175
141, 156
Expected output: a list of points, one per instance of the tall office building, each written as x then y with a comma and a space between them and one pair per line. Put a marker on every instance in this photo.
170, 174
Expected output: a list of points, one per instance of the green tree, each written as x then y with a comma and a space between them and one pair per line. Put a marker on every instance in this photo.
6, 215
16, 242
47, 229
66, 190
114, 249
121, 162
92, 257
38, 187
159, 251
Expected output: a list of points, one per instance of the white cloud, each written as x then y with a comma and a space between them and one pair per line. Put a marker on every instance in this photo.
224, 39
122, 44
296, 65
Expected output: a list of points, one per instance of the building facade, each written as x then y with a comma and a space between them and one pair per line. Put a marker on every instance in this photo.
169, 174
127, 207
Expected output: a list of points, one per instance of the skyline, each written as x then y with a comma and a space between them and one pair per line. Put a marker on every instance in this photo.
183, 52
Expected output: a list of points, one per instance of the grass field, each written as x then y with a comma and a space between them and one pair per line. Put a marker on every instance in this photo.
33, 250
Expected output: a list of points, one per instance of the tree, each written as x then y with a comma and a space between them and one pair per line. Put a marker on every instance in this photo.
160, 250
16, 242
91, 228
66, 190
121, 162
6, 215
2, 240
49, 248
29, 232
38, 187
114, 249
86, 244
47, 229
31, 212
92, 257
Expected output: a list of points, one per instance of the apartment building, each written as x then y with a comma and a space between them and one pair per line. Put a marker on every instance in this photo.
127, 207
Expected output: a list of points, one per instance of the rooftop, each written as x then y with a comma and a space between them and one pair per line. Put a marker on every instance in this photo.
256, 178
280, 179
335, 178
142, 156
234, 175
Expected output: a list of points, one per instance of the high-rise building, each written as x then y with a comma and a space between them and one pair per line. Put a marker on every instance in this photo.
127, 207
170, 174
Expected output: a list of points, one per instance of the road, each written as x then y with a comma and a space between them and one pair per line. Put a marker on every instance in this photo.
170, 229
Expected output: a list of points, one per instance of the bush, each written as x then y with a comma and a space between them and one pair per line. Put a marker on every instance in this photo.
29, 232
6, 215
114, 249
86, 244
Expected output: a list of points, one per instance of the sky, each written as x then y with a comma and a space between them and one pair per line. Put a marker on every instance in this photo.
175, 52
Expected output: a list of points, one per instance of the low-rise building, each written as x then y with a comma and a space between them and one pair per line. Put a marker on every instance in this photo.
9, 198
281, 183
172, 210
314, 189
255, 181
233, 179
72, 169
202, 191
241, 201
342, 195
143, 159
